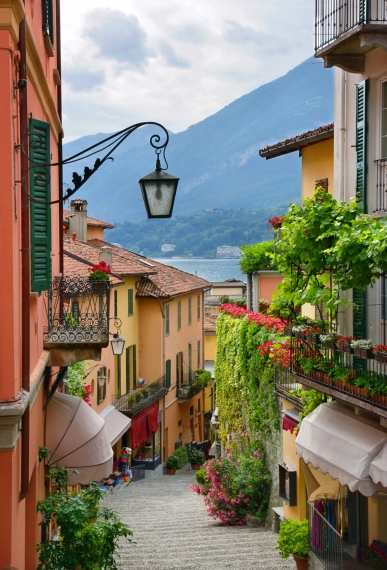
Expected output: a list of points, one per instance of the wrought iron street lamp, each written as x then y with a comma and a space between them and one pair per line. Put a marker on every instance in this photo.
158, 189
117, 344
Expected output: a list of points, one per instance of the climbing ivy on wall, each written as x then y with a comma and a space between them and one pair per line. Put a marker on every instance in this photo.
245, 378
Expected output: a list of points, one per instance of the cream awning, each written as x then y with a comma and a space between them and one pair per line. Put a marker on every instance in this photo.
77, 439
342, 444
378, 469
116, 423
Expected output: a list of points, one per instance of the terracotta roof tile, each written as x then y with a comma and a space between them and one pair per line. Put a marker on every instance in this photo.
168, 281
120, 265
90, 221
75, 266
210, 323
296, 143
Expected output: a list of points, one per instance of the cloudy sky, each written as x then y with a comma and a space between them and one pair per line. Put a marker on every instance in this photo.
173, 61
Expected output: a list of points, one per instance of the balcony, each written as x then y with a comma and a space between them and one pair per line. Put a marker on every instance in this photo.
345, 30
356, 376
136, 400
191, 384
381, 185
77, 317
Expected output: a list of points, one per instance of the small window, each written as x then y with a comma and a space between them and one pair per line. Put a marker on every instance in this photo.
167, 319
199, 356
178, 315
199, 306
168, 374
130, 302
115, 304
190, 310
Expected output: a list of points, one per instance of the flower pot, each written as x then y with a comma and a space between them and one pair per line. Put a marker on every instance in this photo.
364, 353
381, 357
171, 471
145, 394
100, 286
313, 338
195, 466
302, 562
346, 348
339, 384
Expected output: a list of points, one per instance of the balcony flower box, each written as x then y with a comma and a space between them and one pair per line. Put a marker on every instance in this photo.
380, 357
345, 348
364, 353
380, 399
331, 345
313, 338
323, 377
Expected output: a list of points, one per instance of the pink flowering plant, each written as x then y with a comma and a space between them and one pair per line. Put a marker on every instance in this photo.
235, 486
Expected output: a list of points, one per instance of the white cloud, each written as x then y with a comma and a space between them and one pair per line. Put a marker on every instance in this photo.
174, 62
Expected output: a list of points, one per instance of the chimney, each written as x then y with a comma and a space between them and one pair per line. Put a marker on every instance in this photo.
78, 219
105, 254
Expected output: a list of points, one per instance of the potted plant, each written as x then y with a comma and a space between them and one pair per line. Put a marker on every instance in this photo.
380, 353
172, 464
130, 400
344, 343
99, 276
363, 348
138, 397
294, 539
329, 340
196, 457
145, 393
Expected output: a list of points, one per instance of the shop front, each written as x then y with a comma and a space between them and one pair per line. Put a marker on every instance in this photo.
344, 463
145, 437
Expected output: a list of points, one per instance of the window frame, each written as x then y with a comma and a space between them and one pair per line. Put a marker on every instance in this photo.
179, 315
130, 302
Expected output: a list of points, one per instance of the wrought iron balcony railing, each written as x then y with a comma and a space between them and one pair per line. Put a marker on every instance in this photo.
189, 386
357, 373
136, 400
381, 185
333, 18
77, 313
326, 543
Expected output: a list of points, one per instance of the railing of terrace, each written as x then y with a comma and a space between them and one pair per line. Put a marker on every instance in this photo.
326, 544
138, 399
381, 185
77, 313
335, 17
357, 372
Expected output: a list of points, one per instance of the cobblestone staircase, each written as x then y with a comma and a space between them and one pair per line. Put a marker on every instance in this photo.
174, 532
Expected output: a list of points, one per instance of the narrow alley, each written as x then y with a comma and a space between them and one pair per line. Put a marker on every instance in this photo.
173, 531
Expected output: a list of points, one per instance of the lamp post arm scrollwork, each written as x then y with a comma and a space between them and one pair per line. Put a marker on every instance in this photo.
42, 171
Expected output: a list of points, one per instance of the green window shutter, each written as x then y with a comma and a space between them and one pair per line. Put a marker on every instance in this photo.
168, 374
189, 310
119, 374
48, 19
167, 319
130, 301
127, 355
361, 144
359, 323
115, 304
178, 315
40, 189
199, 297
199, 355
177, 374
134, 366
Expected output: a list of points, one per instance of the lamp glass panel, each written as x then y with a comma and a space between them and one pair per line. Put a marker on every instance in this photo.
160, 195
118, 344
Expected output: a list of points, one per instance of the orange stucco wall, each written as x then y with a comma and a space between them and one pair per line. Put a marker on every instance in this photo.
267, 287
317, 163
94, 232
19, 529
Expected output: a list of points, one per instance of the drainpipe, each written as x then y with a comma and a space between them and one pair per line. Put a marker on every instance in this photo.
25, 268
60, 137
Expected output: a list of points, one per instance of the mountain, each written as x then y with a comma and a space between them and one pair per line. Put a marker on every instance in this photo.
217, 159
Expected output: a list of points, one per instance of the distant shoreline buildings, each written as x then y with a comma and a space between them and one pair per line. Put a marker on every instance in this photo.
228, 252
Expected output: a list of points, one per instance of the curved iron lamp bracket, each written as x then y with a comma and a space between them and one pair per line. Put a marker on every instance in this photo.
42, 172
117, 325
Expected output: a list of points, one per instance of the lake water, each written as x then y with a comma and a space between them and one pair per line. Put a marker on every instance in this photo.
209, 269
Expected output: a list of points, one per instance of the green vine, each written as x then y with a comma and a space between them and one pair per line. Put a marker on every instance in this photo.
244, 380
